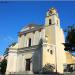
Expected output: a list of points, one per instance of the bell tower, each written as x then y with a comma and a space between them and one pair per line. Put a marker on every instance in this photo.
52, 17
55, 38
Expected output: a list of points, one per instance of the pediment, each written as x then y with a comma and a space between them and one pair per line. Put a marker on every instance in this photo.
29, 27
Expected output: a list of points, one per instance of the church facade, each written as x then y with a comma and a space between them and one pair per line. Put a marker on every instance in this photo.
37, 46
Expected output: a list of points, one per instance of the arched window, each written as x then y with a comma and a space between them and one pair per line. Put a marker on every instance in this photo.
29, 44
50, 22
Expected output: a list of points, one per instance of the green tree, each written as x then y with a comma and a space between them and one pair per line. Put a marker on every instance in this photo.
70, 39
3, 66
47, 69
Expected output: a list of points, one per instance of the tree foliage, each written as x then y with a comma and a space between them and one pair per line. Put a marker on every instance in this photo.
47, 69
3, 66
70, 39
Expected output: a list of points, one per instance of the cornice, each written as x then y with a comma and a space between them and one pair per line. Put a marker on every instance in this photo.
31, 30
28, 48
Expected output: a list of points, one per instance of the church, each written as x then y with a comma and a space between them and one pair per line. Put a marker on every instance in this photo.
37, 46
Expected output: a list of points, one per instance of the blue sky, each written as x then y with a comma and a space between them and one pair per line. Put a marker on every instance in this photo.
15, 15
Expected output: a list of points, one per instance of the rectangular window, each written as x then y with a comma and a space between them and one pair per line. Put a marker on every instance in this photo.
50, 22
27, 64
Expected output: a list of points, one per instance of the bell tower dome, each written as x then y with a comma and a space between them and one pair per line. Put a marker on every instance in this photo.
52, 17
